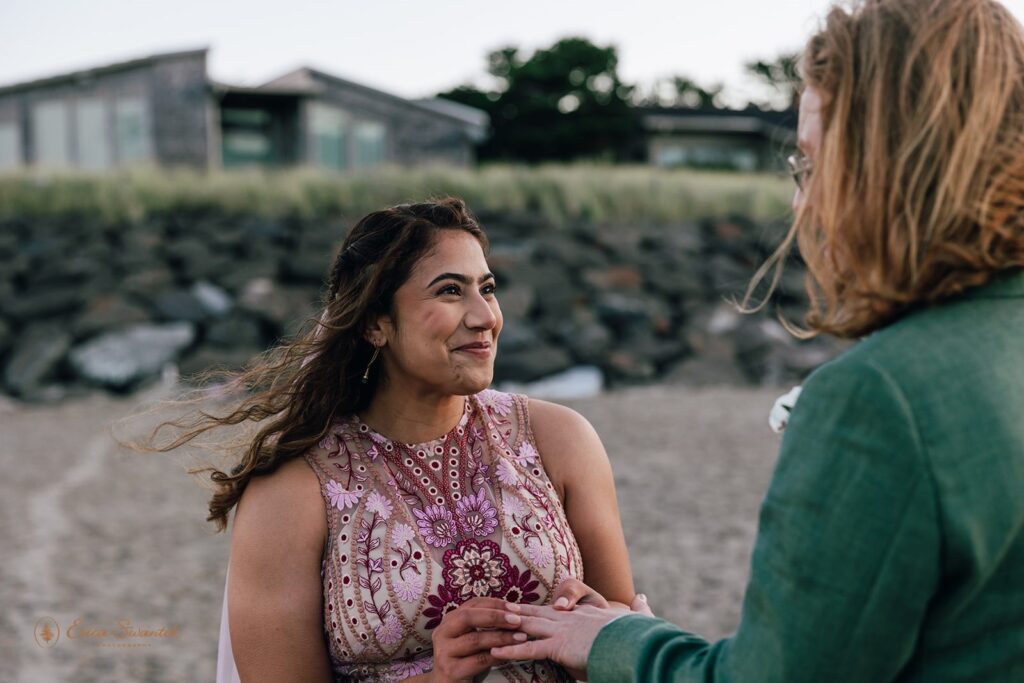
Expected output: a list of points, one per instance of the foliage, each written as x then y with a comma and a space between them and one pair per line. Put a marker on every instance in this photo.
782, 74
561, 103
555, 195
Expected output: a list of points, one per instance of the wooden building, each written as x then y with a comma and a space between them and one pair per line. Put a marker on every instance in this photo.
748, 139
164, 110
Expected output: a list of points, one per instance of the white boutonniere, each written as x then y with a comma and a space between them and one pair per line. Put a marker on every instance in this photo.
779, 415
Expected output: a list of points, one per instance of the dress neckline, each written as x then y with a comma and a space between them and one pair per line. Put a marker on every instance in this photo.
377, 437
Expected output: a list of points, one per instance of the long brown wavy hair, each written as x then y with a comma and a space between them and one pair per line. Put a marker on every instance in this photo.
292, 393
917, 192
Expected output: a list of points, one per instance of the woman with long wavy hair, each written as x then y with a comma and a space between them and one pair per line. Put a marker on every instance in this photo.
387, 503
891, 539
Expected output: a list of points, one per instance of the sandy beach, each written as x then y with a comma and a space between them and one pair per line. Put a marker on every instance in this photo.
99, 541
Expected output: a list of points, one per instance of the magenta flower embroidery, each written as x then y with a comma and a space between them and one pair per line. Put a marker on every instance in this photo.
513, 505
436, 524
476, 514
441, 604
521, 587
389, 632
476, 568
340, 498
412, 667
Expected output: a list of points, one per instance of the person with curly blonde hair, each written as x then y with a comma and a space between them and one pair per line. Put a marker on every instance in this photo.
891, 539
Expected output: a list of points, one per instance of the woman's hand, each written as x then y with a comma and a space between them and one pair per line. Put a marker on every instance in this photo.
465, 636
571, 592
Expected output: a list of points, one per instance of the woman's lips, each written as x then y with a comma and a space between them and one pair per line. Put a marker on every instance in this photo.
479, 349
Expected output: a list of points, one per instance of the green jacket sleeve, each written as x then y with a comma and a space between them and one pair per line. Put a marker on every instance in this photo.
846, 560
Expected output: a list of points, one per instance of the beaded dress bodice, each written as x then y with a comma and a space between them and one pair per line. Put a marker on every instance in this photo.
414, 530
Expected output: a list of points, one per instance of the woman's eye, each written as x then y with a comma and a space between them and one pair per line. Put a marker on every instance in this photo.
489, 289
449, 289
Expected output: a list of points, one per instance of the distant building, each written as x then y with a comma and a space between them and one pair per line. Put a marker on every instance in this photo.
165, 110
748, 139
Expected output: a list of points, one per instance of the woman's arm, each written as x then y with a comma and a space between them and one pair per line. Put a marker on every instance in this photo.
275, 603
575, 461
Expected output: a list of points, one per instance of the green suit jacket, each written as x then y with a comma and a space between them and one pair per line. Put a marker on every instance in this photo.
891, 540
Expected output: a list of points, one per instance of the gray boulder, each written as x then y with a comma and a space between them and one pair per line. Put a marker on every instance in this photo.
120, 359
35, 358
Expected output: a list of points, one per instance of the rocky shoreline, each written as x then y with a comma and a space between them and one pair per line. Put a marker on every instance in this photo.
84, 303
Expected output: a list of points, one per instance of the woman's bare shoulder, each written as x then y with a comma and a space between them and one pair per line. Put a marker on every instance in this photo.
285, 502
566, 440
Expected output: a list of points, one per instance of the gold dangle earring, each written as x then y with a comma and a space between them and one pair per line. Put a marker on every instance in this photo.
366, 375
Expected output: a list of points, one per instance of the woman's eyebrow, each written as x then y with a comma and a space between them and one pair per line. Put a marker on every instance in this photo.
460, 278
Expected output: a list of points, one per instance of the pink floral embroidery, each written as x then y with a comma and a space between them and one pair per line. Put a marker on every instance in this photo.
409, 589
340, 498
436, 524
496, 402
527, 454
476, 569
507, 473
376, 502
476, 514
413, 667
540, 553
390, 631
402, 534
513, 505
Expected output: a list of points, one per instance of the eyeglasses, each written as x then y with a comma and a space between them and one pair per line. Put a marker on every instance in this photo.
800, 168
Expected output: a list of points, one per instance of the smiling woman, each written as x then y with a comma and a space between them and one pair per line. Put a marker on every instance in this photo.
390, 503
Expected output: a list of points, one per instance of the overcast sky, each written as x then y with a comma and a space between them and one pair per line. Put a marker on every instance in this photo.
410, 48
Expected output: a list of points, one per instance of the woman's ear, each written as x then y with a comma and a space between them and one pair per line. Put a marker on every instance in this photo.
378, 332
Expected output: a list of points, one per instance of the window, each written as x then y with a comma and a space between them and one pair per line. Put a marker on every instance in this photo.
131, 129
246, 136
328, 126
50, 133
93, 142
370, 144
10, 147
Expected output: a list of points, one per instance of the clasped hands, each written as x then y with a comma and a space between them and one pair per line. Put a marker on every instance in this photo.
485, 632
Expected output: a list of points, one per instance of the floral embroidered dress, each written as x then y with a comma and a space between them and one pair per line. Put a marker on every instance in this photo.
415, 530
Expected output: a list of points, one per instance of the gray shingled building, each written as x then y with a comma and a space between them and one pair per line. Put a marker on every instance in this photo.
165, 110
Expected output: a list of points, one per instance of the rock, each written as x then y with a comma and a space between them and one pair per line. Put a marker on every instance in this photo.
531, 364
213, 299
121, 358
6, 337
236, 329
235, 278
42, 304
180, 304
700, 371
583, 335
306, 266
148, 282
582, 381
286, 308
105, 312
517, 300
207, 358
625, 312
517, 335
614, 278
729, 277
35, 358
624, 364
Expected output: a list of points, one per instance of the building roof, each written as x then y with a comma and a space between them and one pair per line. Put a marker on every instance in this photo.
86, 74
751, 120
308, 77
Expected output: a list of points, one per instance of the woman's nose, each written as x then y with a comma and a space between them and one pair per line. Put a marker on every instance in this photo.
481, 314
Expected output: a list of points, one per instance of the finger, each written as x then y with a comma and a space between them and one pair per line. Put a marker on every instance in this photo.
482, 641
534, 649
539, 627
640, 605
534, 610
467, 619
568, 593
467, 668
488, 603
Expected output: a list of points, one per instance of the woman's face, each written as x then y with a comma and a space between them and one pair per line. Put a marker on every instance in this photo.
445, 332
808, 132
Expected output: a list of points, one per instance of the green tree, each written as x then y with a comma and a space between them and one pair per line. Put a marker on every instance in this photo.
782, 74
561, 103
